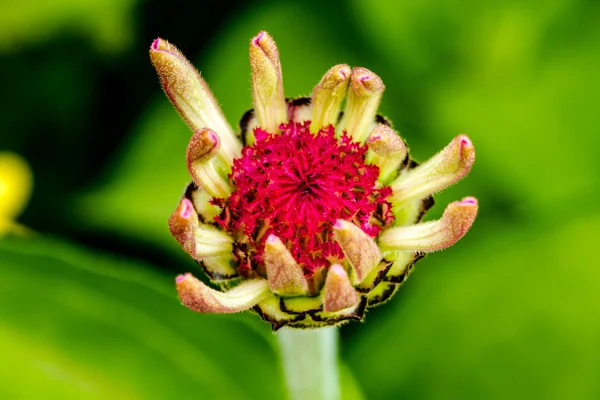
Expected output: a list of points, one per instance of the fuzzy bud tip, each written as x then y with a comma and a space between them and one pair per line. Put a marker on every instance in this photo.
339, 293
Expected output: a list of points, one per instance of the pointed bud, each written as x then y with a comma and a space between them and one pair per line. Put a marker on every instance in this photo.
192, 97
385, 142
198, 240
388, 151
434, 235
442, 170
203, 167
339, 293
200, 298
285, 275
267, 83
364, 96
360, 248
328, 95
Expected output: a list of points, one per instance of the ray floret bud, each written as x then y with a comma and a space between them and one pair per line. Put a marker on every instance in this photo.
284, 274
360, 249
201, 298
192, 97
206, 170
328, 95
388, 151
318, 216
339, 292
442, 170
198, 240
267, 82
364, 96
433, 235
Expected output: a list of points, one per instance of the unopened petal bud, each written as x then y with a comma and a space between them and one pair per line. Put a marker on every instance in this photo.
364, 96
203, 166
198, 240
328, 95
200, 298
203, 145
360, 249
267, 83
339, 292
442, 170
388, 150
434, 235
285, 275
192, 97
385, 142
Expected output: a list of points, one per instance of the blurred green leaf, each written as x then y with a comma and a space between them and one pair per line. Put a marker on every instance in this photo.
144, 187
76, 324
350, 387
519, 78
512, 316
107, 23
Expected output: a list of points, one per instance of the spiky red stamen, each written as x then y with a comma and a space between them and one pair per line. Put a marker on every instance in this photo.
295, 185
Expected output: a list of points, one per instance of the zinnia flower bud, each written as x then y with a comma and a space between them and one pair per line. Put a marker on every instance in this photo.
267, 82
328, 96
310, 216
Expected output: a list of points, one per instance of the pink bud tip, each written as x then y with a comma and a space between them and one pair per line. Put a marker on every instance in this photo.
338, 270
374, 138
155, 44
187, 208
468, 201
338, 224
258, 37
465, 141
271, 239
213, 137
182, 277
202, 145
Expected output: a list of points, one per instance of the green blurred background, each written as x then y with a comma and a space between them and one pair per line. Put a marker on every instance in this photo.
88, 308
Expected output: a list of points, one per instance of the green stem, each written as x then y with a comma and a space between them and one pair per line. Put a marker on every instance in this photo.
310, 363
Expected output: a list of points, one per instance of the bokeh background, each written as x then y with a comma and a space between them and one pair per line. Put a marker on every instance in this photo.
87, 304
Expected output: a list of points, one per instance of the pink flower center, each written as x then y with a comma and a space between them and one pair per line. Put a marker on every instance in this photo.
295, 185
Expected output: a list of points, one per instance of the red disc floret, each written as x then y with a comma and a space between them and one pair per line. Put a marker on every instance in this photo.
295, 185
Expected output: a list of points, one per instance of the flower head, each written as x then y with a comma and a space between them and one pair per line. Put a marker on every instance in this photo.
311, 214
295, 185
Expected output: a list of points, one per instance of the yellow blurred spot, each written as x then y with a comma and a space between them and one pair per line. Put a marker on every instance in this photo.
15, 188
